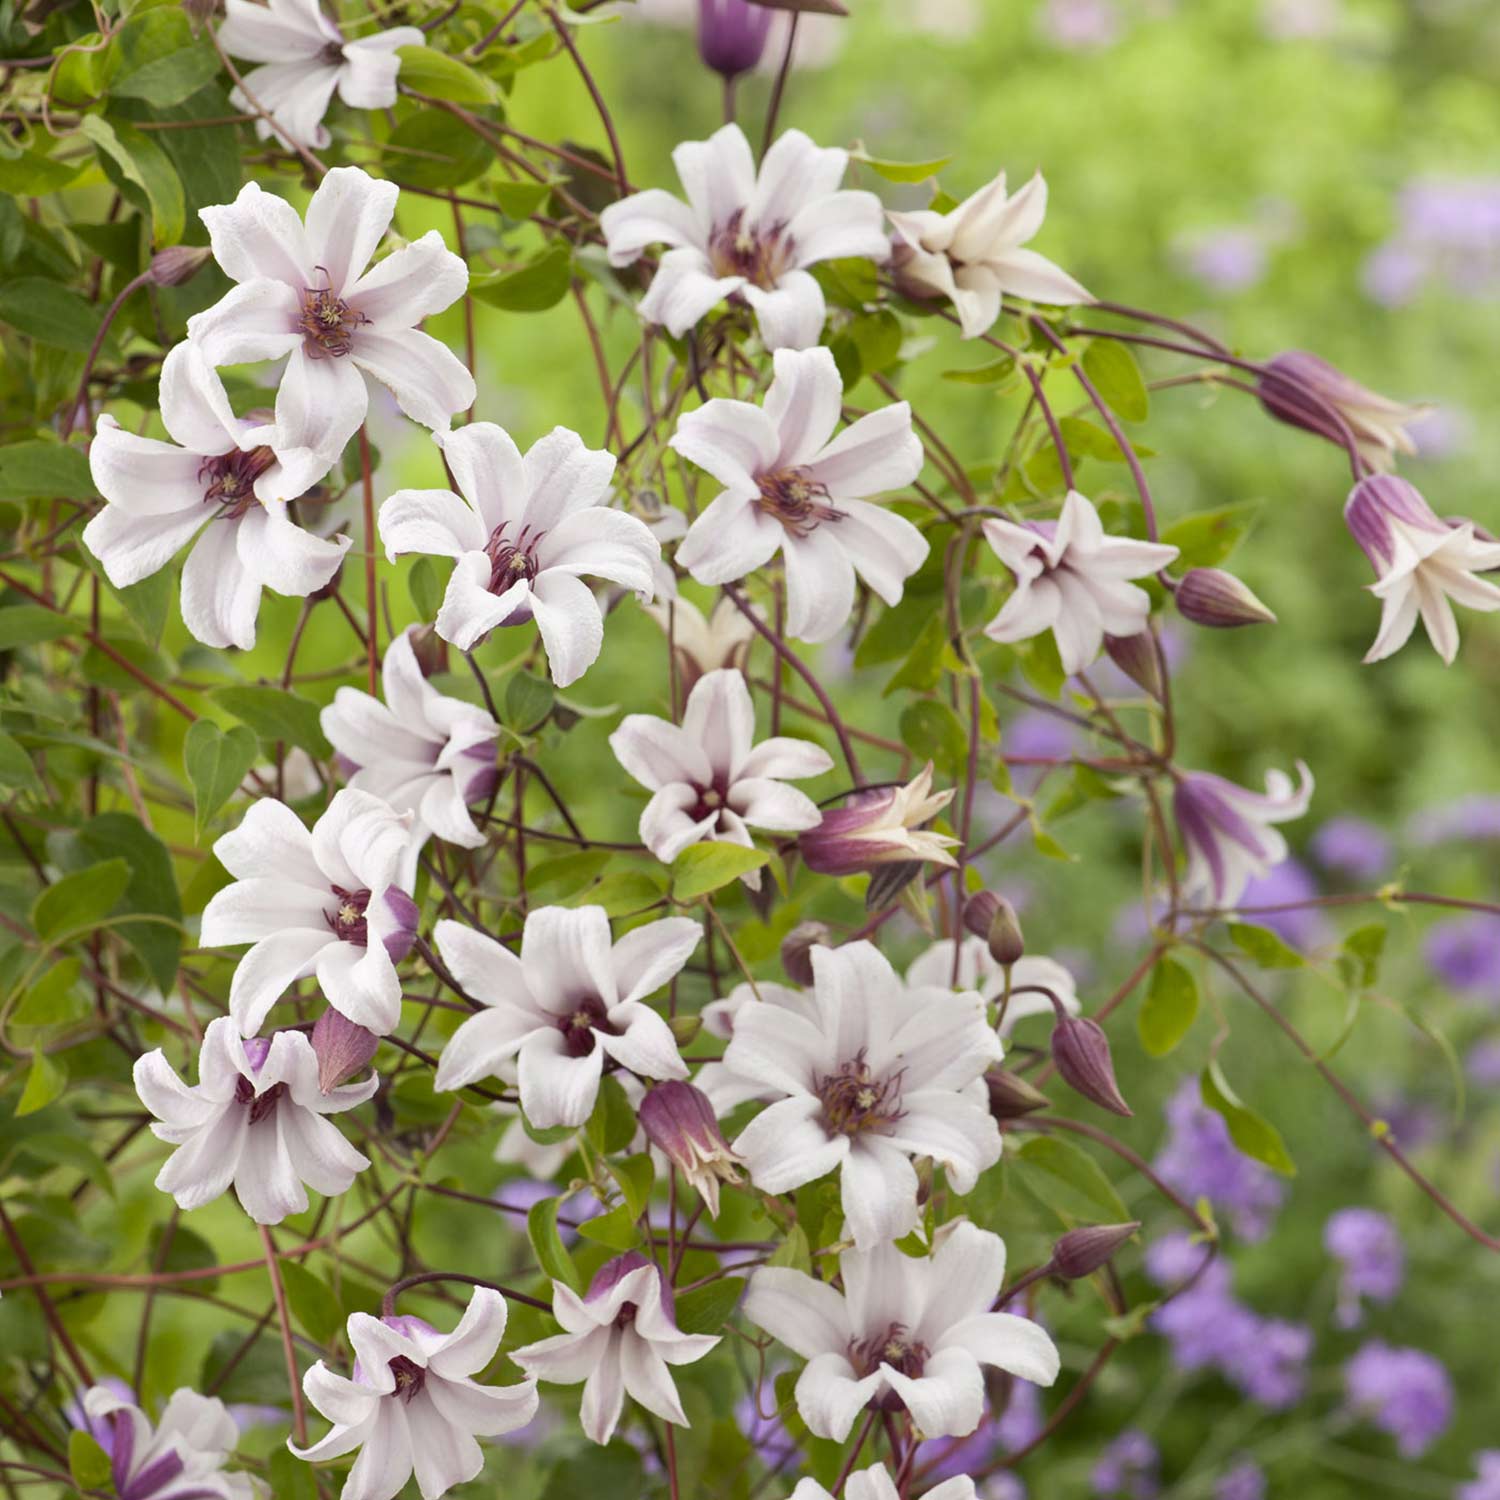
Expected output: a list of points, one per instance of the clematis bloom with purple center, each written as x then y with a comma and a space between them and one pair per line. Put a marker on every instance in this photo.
181, 1458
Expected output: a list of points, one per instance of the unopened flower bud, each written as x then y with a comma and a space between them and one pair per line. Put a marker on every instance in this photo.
1135, 656
1081, 1252
994, 919
880, 826
796, 951
1212, 597
342, 1047
1081, 1051
430, 650
176, 264
1011, 1096
685, 1029
680, 1122
731, 35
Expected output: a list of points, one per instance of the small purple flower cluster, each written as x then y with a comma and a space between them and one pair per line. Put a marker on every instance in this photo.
1405, 1392
1447, 234
1368, 1247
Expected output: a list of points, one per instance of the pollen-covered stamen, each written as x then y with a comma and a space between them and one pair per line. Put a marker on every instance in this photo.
895, 1347
793, 497
328, 322
347, 917
410, 1377
580, 1021
855, 1101
512, 561
228, 480
762, 255
712, 800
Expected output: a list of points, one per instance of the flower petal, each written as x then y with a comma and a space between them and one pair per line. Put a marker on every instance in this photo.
259, 234
410, 284
572, 628
790, 315
428, 380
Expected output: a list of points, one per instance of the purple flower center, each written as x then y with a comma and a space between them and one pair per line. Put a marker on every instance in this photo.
761, 256
261, 1105
332, 54
625, 1318
328, 322
512, 562
347, 919
896, 1348
793, 497
229, 480
579, 1024
855, 1101
410, 1377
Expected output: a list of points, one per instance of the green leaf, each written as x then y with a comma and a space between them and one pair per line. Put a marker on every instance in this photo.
1064, 1165
216, 761
1169, 1009
51, 314
38, 470
187, 1250
702, 868
528, 700
158, 58
142, 163
1206, 539
552, 1258
77, 902
312, 1303
33, 173
869, 344
610, 1473
1117, 378
51, 1000
46, 1079
534, 287
1000, 371
555, 880
292, 1478
793, 1251
616, 1229
16, 769
88, 1463
901, 171
932, 731
148, 603
428, 71
611, 1126
1265, 947
636, 1175
519, 200
277, 716
706, 1309
425, 587
1362, 950
1256, 1137
624, 893
435, 150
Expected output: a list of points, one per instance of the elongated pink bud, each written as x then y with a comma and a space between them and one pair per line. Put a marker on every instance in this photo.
1081, 1051
1135, 656
1081, 1252
342, 1047
1011, 1096
177, 263
1212, 597
680, 1122
993, 918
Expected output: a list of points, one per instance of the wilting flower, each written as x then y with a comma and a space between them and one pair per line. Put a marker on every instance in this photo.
1071, 578
422, 752
568, 1002
790, 486
524, 534
875, 1483
1420, 563
618, 1340
305, 57
220, 483
722, 639
881, 826
1226, 831
1405, 1392
977, 970
331, 902
904, 1332
305, 295
745, 236
732, 35
181, 1458
974, 254
680, 1122
866, 1074
413, 1404
707, 778
254, 1120
1308, 392
1367, 1245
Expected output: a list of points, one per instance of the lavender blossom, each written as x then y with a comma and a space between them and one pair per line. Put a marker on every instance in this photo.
1486, 1484
1464, 952
1405, 1392
1245, 1481
1465, 818
1368, 1247
1352, 846
1305, 927
1129, 1466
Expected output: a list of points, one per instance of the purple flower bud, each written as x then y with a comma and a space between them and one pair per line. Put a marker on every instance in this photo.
1307, 392
731, 35
796, 951
993, 918
342, 1047
1011, 1096
1081, 1252
1081, 1051
176, 264
880, 826
680, 1122
1135, 656
1212, 597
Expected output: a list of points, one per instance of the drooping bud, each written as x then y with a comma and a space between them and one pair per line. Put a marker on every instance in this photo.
1081, 1051
731, 35
1011, 1096
796, 951
176, 264
1212, 597
993, 918
1135, 656
1081, 1252
880, 826
680, 1122
342, 1047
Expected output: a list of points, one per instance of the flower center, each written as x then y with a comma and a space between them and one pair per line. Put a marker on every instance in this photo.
328, 322
410, 1377
895, 1347
796, 499
712, 800
229, 480
579, 1024
261, 1105
512, 562
332, 54
626, 1316
347, 918
761, 256
855, 1101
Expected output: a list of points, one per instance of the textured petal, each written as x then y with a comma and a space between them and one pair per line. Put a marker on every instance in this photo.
346, 220
819, 585
968, 1270
1016, 1345
683, 289
768, 804
731, 538
648, 956
486, 1410
368, 78
443, 1455
787, 1145
470, 610
132, 547
645, 1044
785, 759
720, 717
436, 522
572, 628
319, 406
803, 403
557, 1089
472, 1345
878, 1187
145, 476
1024, 273
790, 315
948, 1399
481, 1045
830, 1397
658, 753
732, 440
876, 454
428, 380
411, 283
282, 556
253, 321
490, 474
808, 1316
565, 953
362, 984
647, 1379
602, 543
220, 599
563, 476
259, 234
195, 407
654, 217
296, 96
848, 224
265, 1181
718, 174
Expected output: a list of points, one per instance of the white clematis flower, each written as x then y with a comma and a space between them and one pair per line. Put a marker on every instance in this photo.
181, 1458
331, 902
790, 486
216, 481
422, 752
254, 1120
977, 970
304, 59
524, 535
568, 1002
709, 781
913, 1333
974, 256
1071, 579
703, 643
748, 236
413, 1405
866, 1074
875, 1483
619, 1340
307, 294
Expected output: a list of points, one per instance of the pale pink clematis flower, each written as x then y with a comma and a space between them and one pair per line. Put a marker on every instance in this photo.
619, 1340
422, 752
216, 481
413, 1405
304, 59
746, 235
1227, 831
974, 256
1071, 579
914, 1333
977, 970
866, 1074
568, 1002
703, 643
307, 294
875, 1483
790, 486
181, 1458
331, 902
254, 1120
524, 533
709, 781
881, 826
